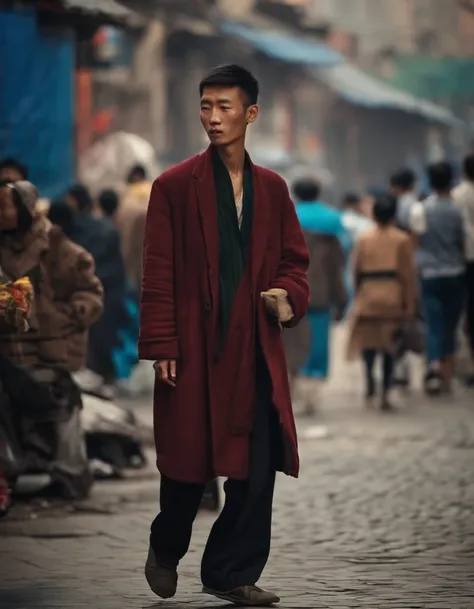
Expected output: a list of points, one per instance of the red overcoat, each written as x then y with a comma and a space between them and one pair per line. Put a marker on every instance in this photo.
202, 426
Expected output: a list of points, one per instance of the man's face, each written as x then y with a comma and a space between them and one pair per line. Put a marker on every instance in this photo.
225, 114
8, 211
10, 174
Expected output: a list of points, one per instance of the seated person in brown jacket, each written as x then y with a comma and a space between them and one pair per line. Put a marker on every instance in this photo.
67, 293
36, 365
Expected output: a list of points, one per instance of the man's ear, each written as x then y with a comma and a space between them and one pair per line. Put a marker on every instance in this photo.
252, 113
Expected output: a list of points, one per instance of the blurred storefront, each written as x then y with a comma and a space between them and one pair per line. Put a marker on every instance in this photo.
42, 101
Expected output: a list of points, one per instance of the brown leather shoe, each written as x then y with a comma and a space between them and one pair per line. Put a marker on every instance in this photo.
162, 581
246, 596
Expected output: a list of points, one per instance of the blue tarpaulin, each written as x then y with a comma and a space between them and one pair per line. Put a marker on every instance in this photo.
283, 46
36, 99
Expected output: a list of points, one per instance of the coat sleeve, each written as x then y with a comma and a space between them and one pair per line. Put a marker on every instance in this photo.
86, 297
294, 262
158, 334
408, 277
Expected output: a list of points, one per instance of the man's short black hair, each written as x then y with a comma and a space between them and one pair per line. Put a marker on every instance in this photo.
232, 75
11, 163
109, 202
137, 171
384, 209
468, 166
440, 176
404, 179
351, 199
307, 189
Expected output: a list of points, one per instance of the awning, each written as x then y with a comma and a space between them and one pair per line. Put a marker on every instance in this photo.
283, 46
109, 8
357, 87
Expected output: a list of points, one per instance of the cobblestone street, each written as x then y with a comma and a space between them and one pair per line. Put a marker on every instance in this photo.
382, 516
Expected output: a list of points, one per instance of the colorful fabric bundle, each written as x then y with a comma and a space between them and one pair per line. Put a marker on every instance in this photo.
16, 298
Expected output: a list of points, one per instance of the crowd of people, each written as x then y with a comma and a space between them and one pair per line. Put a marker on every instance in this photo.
82, 258
399, 267
230, 263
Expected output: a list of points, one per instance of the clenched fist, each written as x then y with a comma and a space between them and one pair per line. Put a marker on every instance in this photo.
166, 371
276, 302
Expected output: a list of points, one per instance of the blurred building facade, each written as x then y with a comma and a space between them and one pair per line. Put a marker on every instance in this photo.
340, 81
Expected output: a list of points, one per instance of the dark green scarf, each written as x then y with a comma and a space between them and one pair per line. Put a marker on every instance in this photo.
234, 242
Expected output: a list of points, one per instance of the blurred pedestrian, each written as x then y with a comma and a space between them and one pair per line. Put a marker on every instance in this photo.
463, 196
402, 186
385, 282
224, 269
109, 203
307, 347
355, 223
126, 353
367, 203
12, 170
439, 227
131, 223
101, 239
354, 220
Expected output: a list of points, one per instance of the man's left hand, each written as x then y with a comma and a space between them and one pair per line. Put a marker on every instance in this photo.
276, 302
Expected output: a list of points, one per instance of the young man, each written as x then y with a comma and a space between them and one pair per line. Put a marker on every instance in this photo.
463, 197
225, 265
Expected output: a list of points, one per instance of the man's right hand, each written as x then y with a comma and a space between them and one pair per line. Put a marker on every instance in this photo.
166, 371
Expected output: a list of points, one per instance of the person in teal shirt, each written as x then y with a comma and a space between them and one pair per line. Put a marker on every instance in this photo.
325, 234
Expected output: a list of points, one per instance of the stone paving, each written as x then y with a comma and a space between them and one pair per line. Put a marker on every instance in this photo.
382, 516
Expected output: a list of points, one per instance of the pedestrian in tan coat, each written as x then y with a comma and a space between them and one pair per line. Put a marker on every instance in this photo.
386, 293
130, 220
67, 294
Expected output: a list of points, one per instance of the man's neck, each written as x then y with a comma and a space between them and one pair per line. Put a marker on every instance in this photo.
233, 157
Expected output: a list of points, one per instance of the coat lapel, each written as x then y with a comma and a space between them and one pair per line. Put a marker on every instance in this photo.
261, 224
207, 209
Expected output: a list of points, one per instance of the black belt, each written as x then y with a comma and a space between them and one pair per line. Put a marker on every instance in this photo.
376, 276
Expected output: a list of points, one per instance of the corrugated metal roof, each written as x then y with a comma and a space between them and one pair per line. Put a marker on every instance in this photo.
282, 46
357, 87
101, 7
